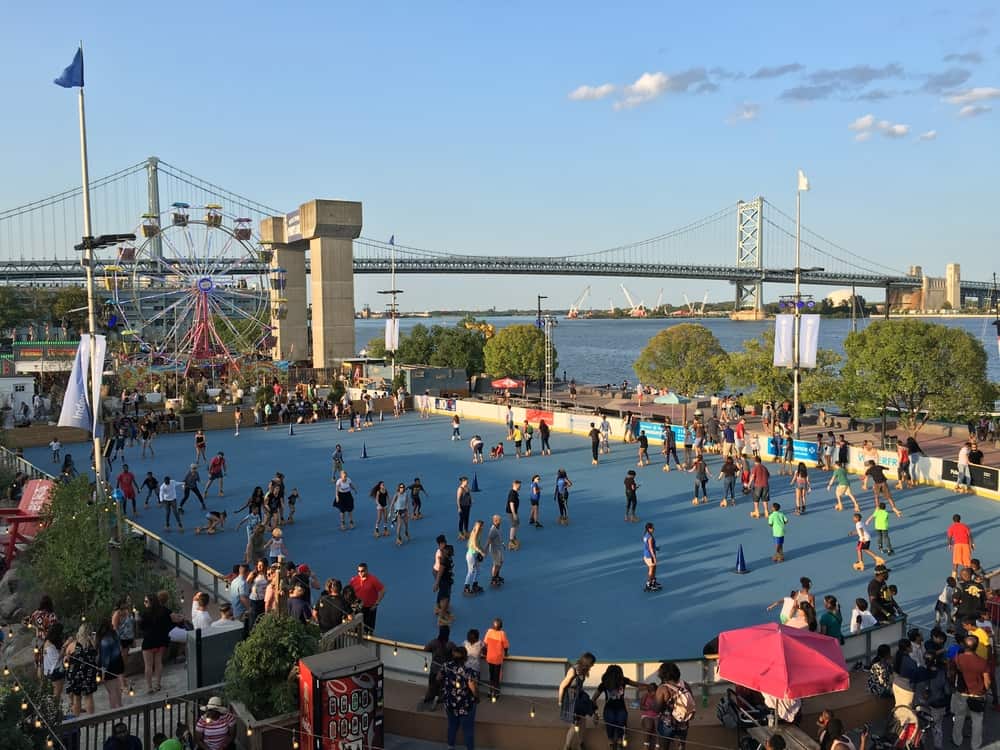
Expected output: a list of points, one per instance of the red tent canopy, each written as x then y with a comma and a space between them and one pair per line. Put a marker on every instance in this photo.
507, 383
782, 661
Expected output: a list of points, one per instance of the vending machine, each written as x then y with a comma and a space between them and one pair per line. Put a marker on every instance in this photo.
341, 704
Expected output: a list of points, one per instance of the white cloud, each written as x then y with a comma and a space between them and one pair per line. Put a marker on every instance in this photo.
649, 86
974, 110
591, 93
866, 125
893, 130
930, 135
863, 123
747, 111
971, 96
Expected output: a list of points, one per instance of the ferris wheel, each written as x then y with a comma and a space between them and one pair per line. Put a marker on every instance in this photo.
193, 293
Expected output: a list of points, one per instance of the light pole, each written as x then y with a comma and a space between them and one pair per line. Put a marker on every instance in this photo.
391, 324
541, 325
802, 186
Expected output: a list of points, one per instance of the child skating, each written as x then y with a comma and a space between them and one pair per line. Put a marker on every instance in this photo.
881, 517
864, 544
777, 521
216, 522
802, 488
843, 483
649, 552
631, 497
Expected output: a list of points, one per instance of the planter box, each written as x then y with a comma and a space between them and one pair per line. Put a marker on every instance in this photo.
268, 734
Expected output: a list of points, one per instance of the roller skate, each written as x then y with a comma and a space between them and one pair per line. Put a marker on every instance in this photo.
496, 581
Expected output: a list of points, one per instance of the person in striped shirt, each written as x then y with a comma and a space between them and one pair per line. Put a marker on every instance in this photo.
216, 728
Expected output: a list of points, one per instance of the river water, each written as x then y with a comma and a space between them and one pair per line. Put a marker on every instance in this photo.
603, 350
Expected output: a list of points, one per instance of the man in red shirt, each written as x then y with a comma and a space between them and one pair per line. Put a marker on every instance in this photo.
126, 483
975, 673
370, 592
961, 545
760, 482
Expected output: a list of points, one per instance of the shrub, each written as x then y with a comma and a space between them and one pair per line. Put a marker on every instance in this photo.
257, 674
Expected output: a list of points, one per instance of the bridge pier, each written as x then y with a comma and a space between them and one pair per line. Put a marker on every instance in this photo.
325, 228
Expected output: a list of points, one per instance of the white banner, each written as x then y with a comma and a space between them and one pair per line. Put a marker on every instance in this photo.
100, 350
75, 409
784, 330
391, 334
808, 340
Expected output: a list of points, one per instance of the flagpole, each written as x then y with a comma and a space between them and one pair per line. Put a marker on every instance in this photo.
88, 263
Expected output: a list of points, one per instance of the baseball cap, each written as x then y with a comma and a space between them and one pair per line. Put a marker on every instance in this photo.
303, 568
882, 569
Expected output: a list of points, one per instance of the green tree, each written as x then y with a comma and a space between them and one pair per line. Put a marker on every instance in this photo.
753, 369
417, 346
460, 348
17, 727
922, 370
686, 358
517, 350
70, 304
12, 311
376, 347
258, 673
71, 562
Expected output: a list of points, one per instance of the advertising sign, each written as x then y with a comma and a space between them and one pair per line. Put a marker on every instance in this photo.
984, 477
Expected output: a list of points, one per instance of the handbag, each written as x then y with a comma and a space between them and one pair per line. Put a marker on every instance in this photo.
976, 703
479, 557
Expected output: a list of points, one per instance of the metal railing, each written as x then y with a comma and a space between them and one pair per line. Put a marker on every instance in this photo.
14, 463
90, 731
201, 576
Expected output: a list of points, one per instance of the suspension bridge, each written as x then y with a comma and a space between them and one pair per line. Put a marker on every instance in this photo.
748, 243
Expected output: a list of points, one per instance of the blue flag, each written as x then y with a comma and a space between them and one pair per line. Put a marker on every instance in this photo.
392, 240
73, 75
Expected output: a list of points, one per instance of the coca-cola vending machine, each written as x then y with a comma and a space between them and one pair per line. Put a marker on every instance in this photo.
341, 705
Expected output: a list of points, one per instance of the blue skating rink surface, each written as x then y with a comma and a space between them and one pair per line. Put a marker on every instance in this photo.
571, 588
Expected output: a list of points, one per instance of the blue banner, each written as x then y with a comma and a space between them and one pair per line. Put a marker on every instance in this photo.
804, 450
655, 431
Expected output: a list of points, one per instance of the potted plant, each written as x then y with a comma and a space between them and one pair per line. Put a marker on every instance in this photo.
259, 676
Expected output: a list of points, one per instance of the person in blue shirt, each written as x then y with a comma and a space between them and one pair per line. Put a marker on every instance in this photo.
535, 497
649, 552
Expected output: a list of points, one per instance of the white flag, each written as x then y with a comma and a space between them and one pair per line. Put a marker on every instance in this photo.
808, 340
803, 181
100, 350
75, 407
784, 327
391, 334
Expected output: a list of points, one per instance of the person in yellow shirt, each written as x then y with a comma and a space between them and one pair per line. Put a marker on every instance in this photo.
970, 627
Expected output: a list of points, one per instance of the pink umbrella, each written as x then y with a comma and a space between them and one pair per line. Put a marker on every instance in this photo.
507, 383
782, 661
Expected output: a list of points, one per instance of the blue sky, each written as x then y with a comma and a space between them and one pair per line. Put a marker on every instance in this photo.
463, 126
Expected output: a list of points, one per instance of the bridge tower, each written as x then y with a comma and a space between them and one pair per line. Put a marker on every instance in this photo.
153, 198
750, 253
327, 229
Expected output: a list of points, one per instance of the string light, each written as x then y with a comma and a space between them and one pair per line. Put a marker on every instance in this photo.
38, 723
24, 705
97, 679
131, 690
395, 649
493, 699
531, 713
167, 705
17, 687
295, 741
426, 665
65, 663
49, 742
6, 671
624, 741
249, 732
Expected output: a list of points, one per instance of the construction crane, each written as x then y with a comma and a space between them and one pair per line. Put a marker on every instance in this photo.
574, 310
659, 302
696, 313
635, 310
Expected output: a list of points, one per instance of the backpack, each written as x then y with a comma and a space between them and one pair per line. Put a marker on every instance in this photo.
682, 706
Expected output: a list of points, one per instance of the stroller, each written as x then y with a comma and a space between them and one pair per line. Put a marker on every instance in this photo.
905, 729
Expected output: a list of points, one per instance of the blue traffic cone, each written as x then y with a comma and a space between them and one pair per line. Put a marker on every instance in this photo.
741, 563
291, 428
364, 450
475, 483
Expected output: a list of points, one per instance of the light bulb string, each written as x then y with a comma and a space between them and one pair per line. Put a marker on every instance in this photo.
170, 703
54, 737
